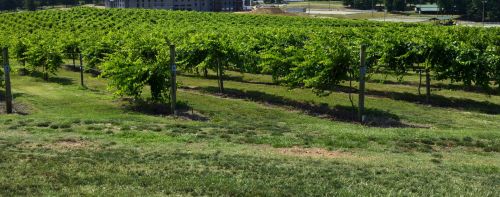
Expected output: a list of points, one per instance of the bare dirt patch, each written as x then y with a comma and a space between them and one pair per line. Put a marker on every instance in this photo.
17, 108
60, 145
69, 144
311, 152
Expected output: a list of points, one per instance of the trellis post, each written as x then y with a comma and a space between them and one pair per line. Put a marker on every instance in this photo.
427, 86
8, 90
173, 80
220, 75
419, 81
362, 73
81, 71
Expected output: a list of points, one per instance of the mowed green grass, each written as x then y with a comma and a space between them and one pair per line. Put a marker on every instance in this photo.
255, 140
317, 4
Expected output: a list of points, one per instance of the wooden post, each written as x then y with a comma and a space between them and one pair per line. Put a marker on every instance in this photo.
220, 74
8, 90
81, 71
427, 86
45, 74
173, 80
362, 73
420, 81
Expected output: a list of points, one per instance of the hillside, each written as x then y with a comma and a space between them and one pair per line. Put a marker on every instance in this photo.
284, 125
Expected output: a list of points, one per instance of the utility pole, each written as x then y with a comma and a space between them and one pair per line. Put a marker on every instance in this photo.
309, 5
385, 13
8, 91
372, 8
484, 8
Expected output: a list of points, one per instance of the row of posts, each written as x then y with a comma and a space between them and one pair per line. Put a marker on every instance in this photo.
173, 88
8, 87
362, 75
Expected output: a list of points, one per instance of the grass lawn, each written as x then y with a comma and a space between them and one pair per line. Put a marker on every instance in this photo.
363, 15
317, 4
257, 139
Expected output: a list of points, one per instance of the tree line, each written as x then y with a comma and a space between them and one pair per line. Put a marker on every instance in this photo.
469, 9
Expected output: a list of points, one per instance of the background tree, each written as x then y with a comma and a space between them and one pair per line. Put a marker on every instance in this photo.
362, 4
29, 5
9, 4
140, 62
209, 51
20, 48
321, 64
395, 5
44, 53
71, 47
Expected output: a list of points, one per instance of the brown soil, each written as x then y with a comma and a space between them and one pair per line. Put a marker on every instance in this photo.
61, 144
69, 144
311, 152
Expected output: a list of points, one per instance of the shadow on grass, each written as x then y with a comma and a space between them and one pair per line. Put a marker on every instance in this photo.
91, 71
435, 100
375, 118
152, 108
71, 67
53, 79
440, 101
438, 85
226, 78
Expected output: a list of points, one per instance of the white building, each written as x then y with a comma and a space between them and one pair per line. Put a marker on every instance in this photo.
198, 5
